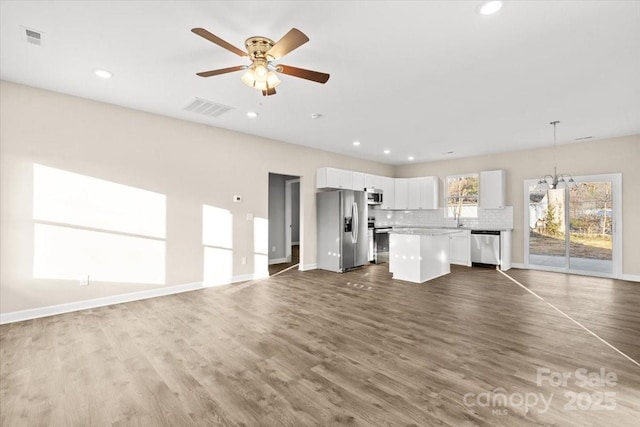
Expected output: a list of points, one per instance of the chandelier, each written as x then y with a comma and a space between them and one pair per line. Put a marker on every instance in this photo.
555, 181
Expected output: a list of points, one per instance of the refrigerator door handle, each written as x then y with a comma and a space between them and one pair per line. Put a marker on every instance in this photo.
354, 231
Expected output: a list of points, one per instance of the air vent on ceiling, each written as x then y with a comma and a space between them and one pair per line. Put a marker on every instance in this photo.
33, 36
206, 108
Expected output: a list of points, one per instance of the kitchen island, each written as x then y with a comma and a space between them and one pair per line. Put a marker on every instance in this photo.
419, 255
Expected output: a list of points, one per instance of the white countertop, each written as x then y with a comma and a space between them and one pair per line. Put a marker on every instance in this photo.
435, 227
424, 231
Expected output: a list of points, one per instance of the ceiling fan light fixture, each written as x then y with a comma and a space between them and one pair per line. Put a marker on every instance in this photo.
261, 72
261, 51
261, 85
248, 77
272, 79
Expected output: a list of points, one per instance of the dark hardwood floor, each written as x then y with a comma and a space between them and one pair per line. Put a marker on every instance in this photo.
318, 348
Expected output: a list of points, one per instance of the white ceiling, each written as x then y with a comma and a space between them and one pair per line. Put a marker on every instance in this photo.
418, 78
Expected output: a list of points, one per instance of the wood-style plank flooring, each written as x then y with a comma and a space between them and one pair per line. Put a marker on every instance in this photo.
318, 348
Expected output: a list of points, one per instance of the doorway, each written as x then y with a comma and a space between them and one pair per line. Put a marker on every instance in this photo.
284, 222
575, 230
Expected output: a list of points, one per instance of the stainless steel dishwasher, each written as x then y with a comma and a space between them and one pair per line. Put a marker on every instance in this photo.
485, 248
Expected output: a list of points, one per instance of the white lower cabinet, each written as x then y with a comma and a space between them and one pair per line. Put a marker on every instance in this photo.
460, 248
505, 250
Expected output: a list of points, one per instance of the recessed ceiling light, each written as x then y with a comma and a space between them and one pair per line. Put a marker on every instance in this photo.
356, 143
316, 116
489, 7
103, 74
252, 114
411, 157
387, 151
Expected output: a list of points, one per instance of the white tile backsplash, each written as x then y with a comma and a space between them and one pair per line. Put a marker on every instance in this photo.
487, 218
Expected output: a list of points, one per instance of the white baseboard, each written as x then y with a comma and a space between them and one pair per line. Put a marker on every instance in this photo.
51, 310
277, 261
34, 313
308, 267
628, 277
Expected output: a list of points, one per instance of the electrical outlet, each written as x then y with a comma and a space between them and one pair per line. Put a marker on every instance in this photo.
249, 217
84, 281
273, 249
244, 260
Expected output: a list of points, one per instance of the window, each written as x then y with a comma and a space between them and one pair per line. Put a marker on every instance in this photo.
462, 196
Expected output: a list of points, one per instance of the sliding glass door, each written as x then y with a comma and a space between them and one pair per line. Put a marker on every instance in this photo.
573, 230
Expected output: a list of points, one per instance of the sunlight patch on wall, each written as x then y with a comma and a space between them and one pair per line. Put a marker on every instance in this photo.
70, 198
217, 238
217, 227
84, 226
260, 247
71, 253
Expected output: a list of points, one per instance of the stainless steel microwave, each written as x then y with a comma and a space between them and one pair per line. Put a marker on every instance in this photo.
374, 196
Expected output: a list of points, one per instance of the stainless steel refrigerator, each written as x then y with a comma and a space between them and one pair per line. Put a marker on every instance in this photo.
342, 230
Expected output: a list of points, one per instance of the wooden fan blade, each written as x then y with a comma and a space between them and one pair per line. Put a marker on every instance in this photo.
270, 91
217, 40
221, 71
315, 76
290, 41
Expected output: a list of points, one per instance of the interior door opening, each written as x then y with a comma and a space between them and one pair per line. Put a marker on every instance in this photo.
284, 222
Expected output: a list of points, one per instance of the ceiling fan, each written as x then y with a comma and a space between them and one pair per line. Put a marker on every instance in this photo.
262, 52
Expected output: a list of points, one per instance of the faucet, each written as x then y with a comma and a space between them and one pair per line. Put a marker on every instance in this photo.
457, 217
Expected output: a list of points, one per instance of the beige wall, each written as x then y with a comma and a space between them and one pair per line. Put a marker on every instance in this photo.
195, 164
191, 164
616, 155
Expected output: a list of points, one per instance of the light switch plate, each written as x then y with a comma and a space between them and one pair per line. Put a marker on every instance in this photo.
237, 199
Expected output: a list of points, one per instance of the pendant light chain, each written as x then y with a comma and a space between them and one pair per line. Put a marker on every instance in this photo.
556, 180
555, 148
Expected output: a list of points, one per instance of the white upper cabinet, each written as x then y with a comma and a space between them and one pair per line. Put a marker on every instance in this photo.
388, 192
492, 189
334, 178
358, 181
429, 192
414, 193
401, 193
423, 192
372, 181
397, 193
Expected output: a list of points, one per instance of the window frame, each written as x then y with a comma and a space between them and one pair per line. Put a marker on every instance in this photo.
449, 209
